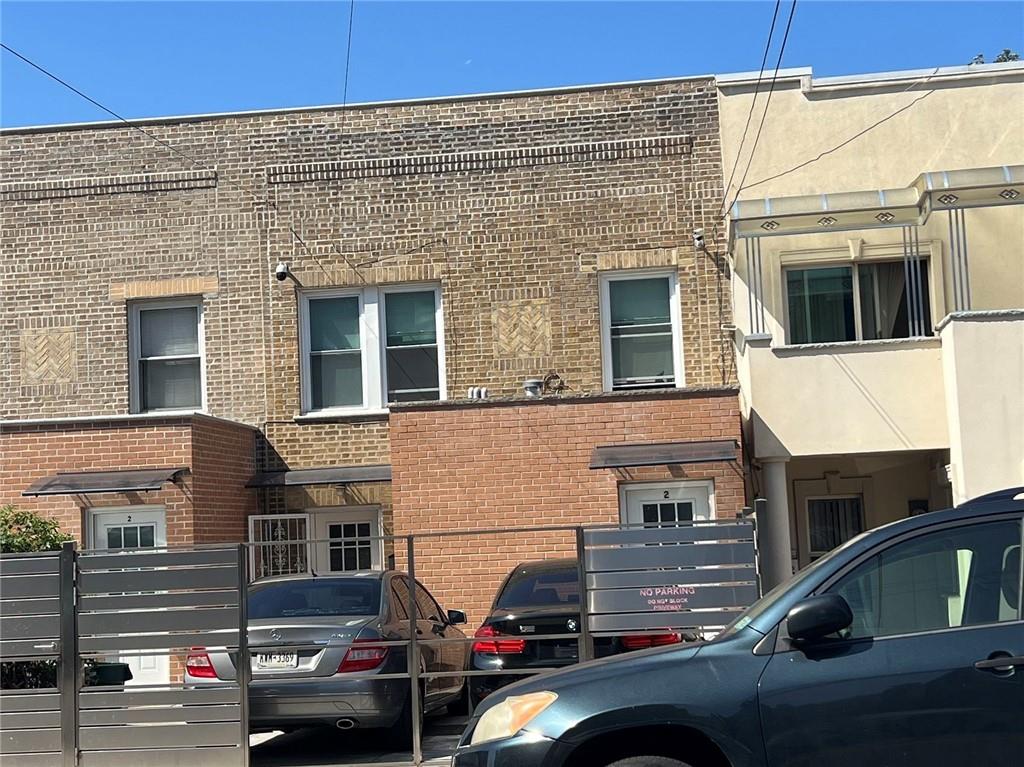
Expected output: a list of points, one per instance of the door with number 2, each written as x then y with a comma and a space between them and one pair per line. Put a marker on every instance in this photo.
143, 527
667, 503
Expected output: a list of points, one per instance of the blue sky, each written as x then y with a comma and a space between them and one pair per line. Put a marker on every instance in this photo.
159, 57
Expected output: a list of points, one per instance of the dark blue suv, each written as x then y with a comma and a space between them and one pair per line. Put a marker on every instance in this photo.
902, 648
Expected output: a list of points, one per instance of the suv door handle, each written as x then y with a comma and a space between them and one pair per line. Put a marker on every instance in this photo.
1000, 661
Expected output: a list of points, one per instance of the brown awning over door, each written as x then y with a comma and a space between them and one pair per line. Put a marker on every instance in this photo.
333, 475
118, 481
663, 453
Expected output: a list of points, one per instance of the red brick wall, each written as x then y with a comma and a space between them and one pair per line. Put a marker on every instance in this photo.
526, 463
222, 463
211, 505
28, 453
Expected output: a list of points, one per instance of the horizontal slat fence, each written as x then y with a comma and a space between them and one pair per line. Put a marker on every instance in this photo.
30, 719
691, 576
156, 603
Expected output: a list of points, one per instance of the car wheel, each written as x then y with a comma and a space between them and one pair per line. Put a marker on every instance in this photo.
400, 733
460, 706
648, 761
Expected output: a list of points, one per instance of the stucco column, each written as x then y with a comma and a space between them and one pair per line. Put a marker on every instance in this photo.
774, 546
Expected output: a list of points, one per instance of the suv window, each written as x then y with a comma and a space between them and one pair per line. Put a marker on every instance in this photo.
961, 576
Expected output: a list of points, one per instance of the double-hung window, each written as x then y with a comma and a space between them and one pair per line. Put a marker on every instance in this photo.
640, 329
167, 370
862, 302
362, 349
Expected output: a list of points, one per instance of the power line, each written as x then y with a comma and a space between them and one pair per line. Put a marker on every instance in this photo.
94, 102
852, 138
768, 101
753, 101
348, 51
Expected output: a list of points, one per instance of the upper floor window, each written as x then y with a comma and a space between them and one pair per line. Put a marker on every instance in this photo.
865, 302
640, 331
167, 369
366, 347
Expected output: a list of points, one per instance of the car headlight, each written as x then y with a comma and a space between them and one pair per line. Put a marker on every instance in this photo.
510, 716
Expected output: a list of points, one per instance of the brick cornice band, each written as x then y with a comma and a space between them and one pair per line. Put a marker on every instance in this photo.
496, 159
31, 191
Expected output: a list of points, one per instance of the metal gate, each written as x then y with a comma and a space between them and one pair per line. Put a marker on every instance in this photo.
70, 609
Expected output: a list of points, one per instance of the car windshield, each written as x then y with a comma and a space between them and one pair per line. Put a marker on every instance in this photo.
308, 598
541, 589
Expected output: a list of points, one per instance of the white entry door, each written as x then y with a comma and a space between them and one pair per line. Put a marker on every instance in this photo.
349, 545
142, 527
667, 503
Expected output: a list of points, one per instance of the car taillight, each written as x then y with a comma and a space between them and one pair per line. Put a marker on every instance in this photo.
199, 664
362, 657
497, 646
652, 640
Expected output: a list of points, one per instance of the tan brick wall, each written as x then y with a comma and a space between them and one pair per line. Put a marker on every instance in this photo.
513, 204
525, 464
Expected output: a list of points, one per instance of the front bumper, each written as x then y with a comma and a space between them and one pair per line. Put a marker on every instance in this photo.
522, 750
369, 703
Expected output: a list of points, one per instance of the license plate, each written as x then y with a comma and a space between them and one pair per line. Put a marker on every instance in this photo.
277, 660
565, 652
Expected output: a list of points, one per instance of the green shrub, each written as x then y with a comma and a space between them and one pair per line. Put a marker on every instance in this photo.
25, 531
22, 531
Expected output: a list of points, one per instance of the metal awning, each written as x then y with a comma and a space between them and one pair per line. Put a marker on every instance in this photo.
662, 453
332, 475
879, 208
119, 481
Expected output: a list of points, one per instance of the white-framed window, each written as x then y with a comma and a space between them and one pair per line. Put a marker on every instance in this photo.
855, 302
641, 331
363, 348
329, 540
167, 370
832, 521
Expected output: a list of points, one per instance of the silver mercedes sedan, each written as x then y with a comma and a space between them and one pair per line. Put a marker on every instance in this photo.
310, 634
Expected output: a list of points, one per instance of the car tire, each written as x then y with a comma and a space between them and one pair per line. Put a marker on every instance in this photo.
459, 706
648, 761
400, 733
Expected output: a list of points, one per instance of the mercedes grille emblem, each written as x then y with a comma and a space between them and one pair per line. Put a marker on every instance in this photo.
275, 635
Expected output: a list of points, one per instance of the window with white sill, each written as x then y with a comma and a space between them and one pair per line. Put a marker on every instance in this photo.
862, 302
365, 348
641, 331
167, 356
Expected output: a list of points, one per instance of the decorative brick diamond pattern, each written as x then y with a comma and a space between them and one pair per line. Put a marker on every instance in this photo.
826, 221
885, 217
1009, 194
948, 199
522, 329
48, 356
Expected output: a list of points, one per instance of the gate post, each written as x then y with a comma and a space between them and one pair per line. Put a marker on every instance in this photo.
414, 657
68, 678
585, 646
243, 668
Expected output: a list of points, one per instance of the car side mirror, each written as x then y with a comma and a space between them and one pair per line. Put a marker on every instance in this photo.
456, 617
818, 616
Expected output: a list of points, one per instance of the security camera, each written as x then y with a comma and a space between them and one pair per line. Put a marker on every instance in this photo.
698, 239
282, 272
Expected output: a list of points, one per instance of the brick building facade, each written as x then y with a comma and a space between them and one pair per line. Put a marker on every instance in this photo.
539, 224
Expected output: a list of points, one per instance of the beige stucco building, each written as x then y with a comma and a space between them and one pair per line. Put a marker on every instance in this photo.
878, 286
